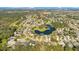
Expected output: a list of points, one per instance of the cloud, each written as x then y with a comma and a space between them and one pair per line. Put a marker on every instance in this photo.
39, 3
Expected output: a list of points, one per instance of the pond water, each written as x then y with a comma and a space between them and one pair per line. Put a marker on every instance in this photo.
46, 32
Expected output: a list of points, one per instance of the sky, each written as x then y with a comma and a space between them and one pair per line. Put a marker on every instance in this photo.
39, 3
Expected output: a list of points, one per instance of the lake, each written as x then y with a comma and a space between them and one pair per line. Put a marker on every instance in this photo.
46, 32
